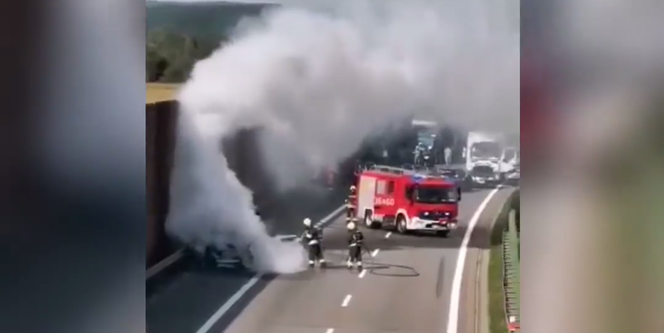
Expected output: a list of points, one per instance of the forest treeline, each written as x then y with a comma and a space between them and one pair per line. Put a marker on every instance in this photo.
170, 56
179, 34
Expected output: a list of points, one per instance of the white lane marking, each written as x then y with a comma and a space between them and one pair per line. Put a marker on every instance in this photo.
362, 273
346, 300
387, 235
330, 330
247, 286
229, 303
375, 252
453, 317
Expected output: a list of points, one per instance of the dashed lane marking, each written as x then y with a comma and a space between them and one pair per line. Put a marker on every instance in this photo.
346, 300
362, 273
387, 235
375, 252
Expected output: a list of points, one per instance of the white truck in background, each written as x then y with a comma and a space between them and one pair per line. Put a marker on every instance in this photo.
489, 160
512, 157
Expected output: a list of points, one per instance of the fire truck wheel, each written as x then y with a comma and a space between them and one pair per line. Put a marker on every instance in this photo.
369, 222
401, 225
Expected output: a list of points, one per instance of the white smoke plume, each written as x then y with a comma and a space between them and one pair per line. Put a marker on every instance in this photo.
318, 80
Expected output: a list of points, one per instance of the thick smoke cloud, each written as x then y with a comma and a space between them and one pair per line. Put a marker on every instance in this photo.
318, 80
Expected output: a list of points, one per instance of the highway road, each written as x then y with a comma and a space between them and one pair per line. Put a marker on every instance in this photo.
407, 286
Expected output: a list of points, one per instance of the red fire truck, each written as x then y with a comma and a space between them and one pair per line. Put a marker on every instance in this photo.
407, 200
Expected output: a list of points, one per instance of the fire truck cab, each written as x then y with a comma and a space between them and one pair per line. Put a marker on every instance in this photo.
407, 200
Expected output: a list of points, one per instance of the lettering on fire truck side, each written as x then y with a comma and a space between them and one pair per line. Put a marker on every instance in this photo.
384, 201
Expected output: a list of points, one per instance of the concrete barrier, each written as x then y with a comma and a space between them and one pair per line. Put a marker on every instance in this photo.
161, 120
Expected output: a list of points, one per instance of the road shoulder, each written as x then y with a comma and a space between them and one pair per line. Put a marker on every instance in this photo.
474, 314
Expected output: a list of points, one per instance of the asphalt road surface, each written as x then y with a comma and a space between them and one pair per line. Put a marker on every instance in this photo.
406, 287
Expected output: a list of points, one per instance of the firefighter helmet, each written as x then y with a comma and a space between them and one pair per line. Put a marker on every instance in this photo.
352, 187
307, 222
350, 225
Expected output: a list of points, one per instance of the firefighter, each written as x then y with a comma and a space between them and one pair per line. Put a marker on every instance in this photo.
355, 243
312, 237
352, 192
448, 155
350, 203
330, 178
350, 209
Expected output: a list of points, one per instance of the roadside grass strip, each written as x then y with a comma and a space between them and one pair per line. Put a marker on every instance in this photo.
512, 274
504, 291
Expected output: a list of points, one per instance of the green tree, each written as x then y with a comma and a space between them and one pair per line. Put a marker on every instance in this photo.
178, 70
179, 34
170, 56
155, 64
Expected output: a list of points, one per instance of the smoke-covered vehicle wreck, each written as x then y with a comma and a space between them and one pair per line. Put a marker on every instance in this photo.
232, 256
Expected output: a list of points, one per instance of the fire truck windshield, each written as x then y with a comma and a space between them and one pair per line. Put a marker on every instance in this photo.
435, 194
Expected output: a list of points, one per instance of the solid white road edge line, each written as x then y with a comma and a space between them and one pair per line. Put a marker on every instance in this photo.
453, 316
247, 286
346, 300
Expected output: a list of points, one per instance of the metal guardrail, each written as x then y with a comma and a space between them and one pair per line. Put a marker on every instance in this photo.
160, 266
512, 275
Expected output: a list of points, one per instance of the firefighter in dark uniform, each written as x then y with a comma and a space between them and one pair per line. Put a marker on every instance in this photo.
350, 203
350, 210
355, 244
312, 237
